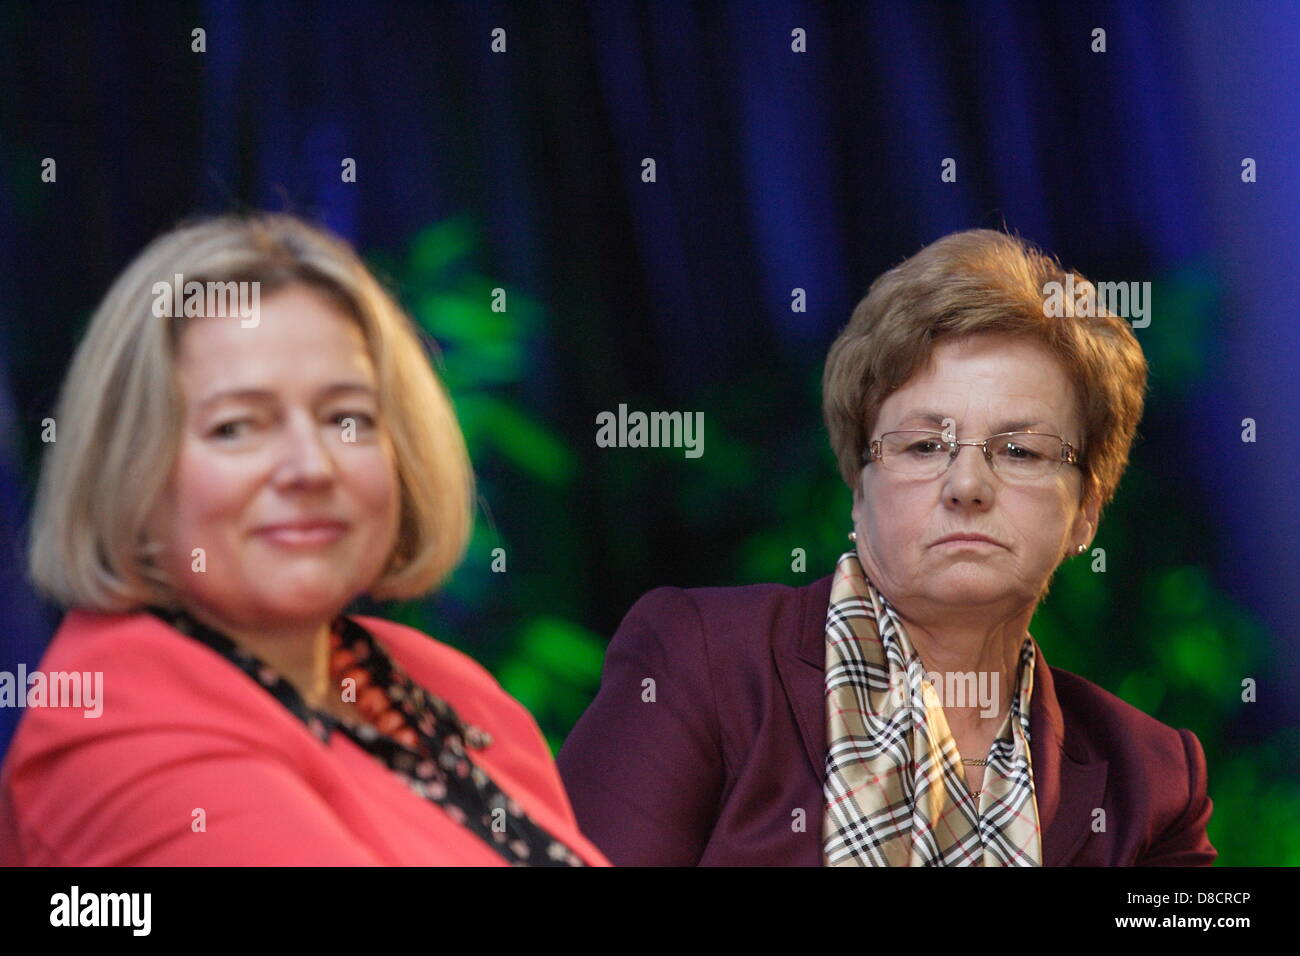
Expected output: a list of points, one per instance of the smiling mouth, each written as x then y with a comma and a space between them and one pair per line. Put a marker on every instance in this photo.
313, 537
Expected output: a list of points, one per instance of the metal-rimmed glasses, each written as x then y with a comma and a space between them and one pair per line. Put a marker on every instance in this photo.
1019, 457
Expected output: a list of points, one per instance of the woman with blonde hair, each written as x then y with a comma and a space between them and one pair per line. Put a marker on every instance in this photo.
250, 437
898, 712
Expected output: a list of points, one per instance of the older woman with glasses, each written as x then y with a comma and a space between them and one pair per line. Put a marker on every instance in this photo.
898, 712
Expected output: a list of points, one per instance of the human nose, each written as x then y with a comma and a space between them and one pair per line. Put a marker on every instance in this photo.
305, 457
968, 478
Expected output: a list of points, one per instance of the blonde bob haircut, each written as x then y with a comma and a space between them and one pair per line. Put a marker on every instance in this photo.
980, 281
120, 414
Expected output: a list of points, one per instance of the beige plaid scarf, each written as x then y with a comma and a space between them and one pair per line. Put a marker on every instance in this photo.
895, 794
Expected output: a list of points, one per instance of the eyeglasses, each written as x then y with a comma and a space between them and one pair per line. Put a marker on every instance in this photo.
1017, 457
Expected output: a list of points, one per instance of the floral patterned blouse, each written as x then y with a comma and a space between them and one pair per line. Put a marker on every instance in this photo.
440, 769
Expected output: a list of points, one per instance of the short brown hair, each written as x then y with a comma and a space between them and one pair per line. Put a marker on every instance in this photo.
119, 416
967, 283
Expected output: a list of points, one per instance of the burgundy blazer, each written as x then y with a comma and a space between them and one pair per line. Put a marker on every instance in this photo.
710, 764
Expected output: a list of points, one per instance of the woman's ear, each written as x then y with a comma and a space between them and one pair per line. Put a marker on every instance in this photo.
1085, 522
857, 498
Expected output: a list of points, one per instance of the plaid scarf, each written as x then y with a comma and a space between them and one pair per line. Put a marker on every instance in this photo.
895, 794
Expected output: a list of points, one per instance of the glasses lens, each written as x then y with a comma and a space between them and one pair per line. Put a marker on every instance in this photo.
917, 454
1024, 456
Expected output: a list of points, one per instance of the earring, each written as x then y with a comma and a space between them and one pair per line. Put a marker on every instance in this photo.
1080, 549
853, 536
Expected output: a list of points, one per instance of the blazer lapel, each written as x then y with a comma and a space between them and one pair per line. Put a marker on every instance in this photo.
801, 664
1066, 788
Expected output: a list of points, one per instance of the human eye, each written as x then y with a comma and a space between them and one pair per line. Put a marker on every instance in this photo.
1024, 448
230, 428
360, 418
924, 447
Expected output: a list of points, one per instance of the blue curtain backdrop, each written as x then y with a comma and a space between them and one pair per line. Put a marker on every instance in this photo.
775, 170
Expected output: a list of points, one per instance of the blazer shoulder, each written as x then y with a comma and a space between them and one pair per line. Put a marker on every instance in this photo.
735, 615
732, 631
1099, 724
148, 679
716, 606
86, 636
138, 652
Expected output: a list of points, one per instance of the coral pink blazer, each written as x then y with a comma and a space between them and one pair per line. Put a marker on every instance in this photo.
183, 730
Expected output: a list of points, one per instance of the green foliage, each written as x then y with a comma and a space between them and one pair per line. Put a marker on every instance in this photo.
1257, 802
550, 664
555, 666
